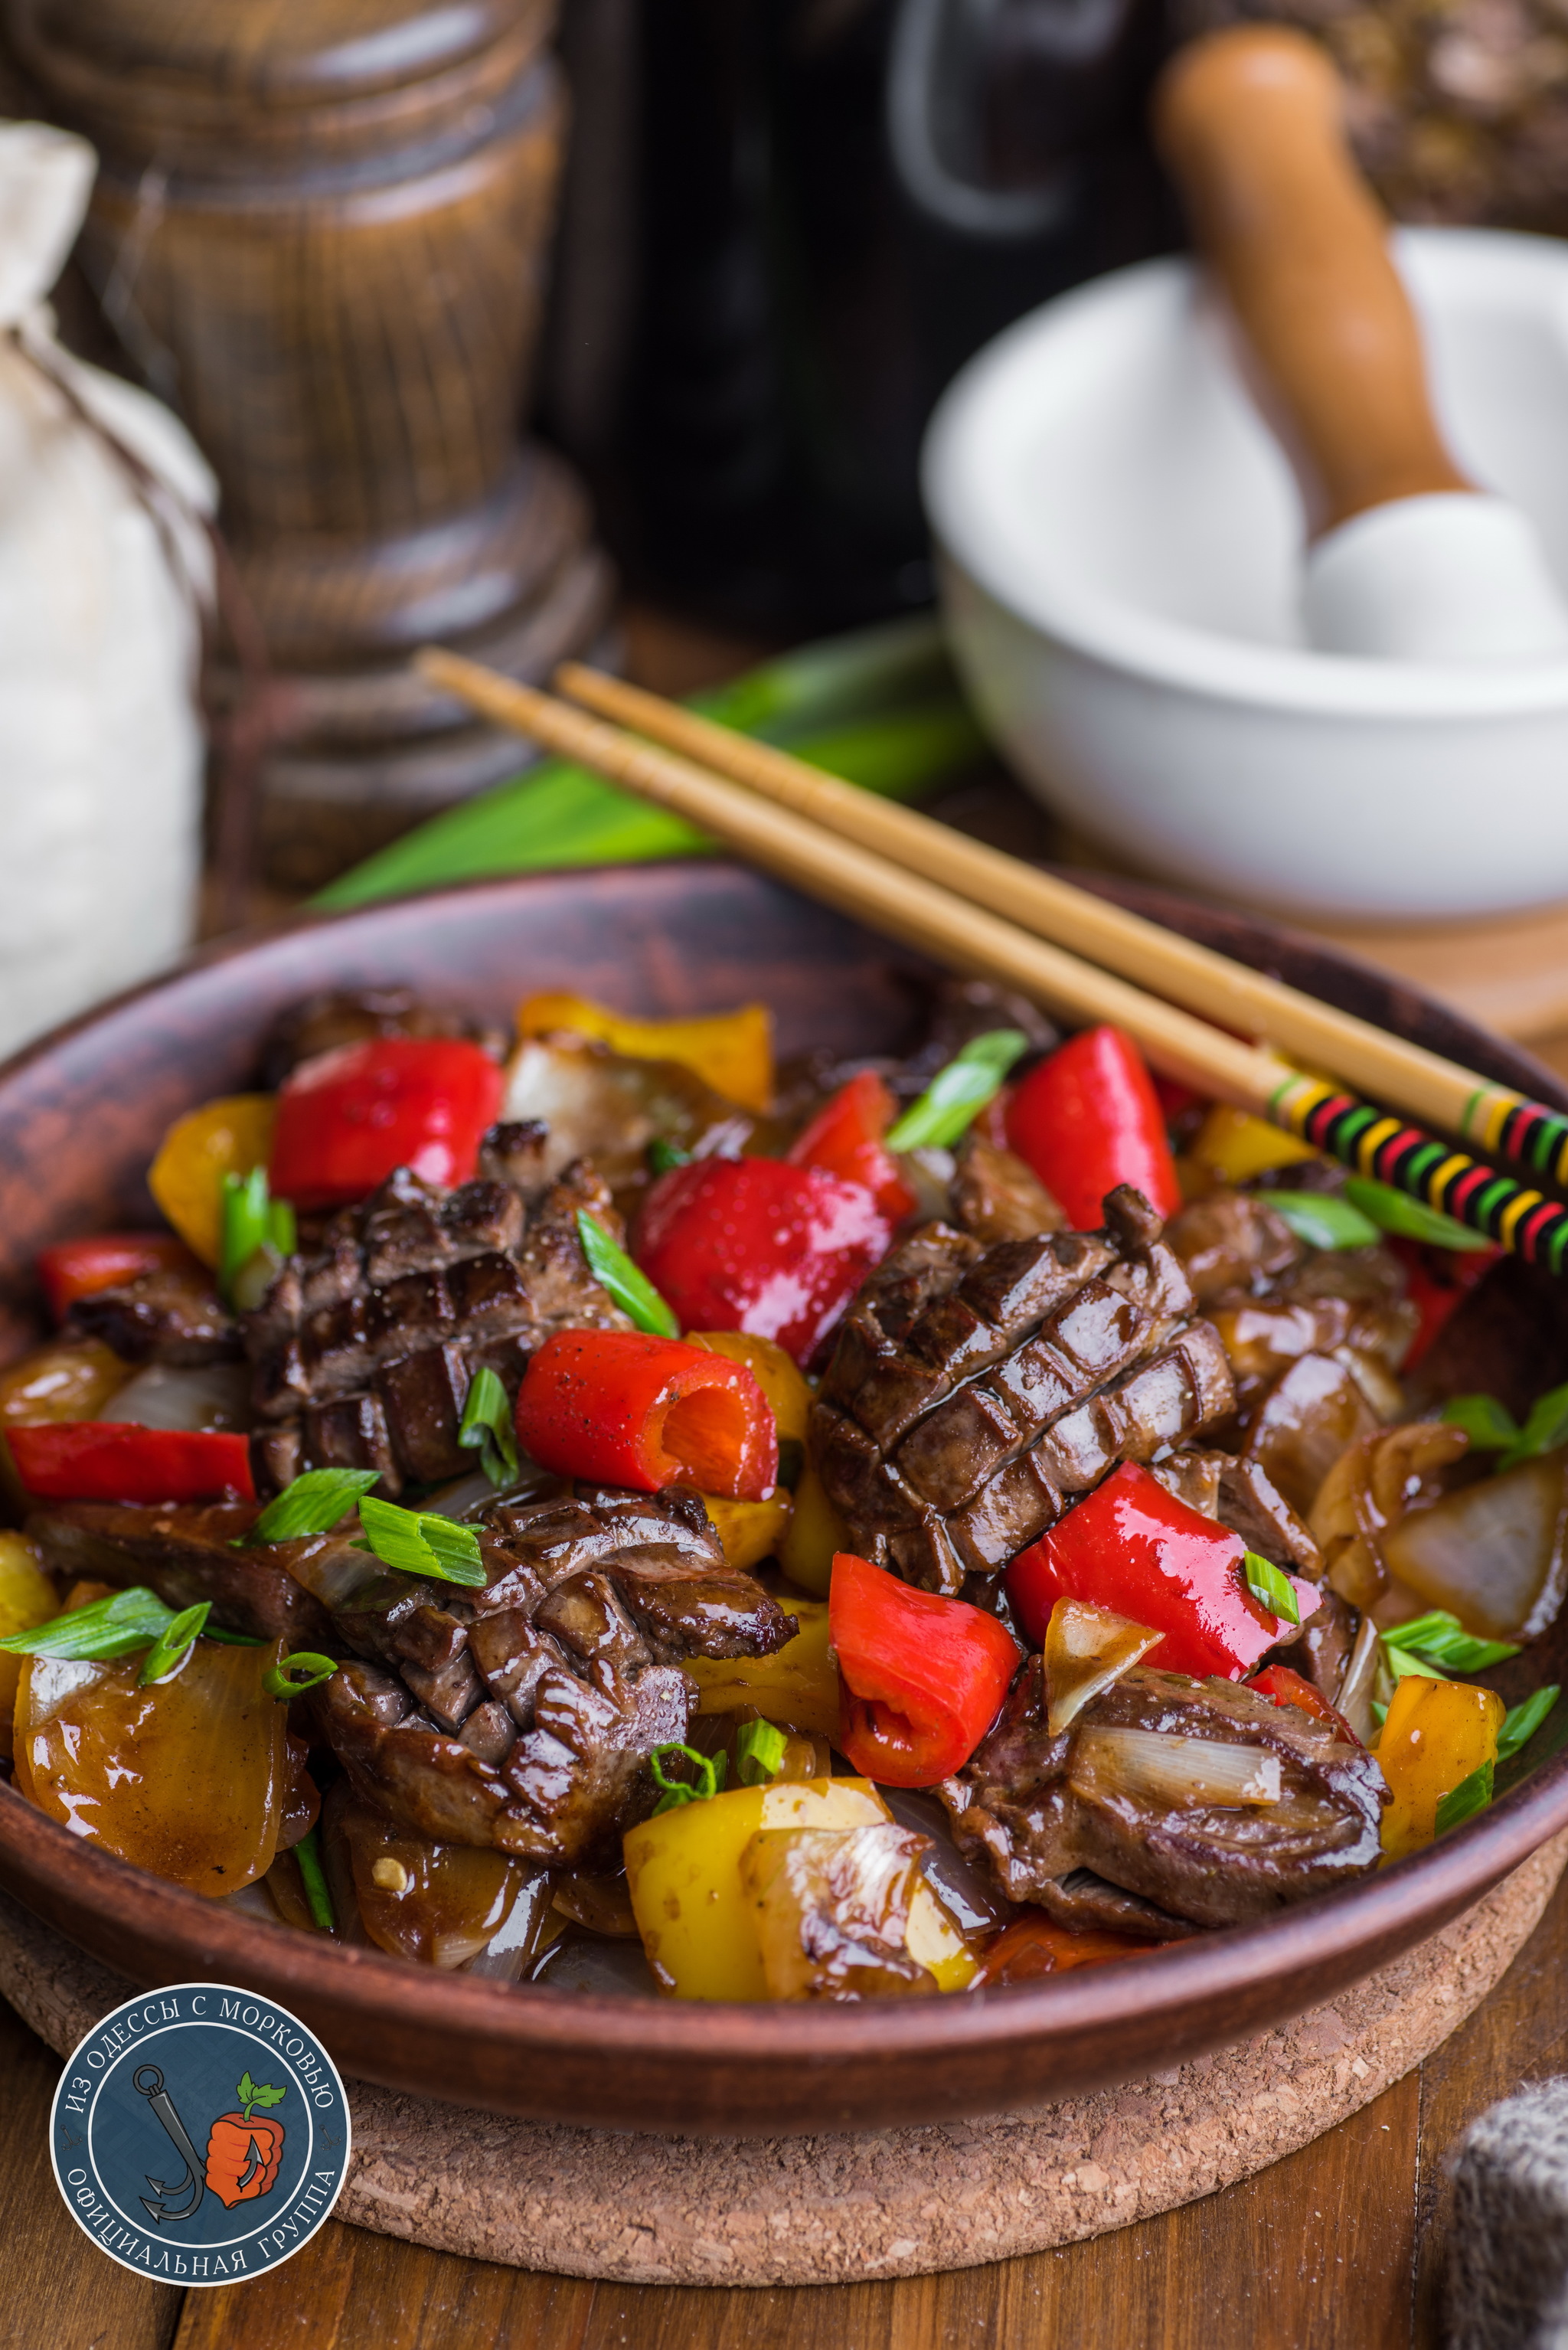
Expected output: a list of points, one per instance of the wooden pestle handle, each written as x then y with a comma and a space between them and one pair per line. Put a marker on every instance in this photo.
1250, 123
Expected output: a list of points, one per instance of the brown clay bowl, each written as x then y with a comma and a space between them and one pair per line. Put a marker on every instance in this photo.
79, 1116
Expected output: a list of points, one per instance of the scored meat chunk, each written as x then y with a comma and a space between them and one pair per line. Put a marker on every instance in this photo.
521, 1715
174, 1315
1062, 1831
363, 1352
974, 1390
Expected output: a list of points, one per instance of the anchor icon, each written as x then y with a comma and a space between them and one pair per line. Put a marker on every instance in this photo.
148, 2082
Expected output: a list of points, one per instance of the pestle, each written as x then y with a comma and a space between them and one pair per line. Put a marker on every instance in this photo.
1407, 559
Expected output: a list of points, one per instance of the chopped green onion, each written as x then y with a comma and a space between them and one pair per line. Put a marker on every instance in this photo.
308, 1852
255, 1227
1401, 1665
1379, 1713
1520, 1722
709, 1779
292, 1675
759, 1751
1440, 1639
1489, 1426
1395, 1211
231, 1639
416, 1542
632, 1290
1545, 1428
1323, 1219
663, 1155
955, 1094
487, 1425
175, 1643
105, 1628
1462, 1802
311, 1505
1270, 1588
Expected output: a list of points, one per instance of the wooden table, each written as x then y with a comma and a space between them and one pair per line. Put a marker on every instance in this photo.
1337, 2248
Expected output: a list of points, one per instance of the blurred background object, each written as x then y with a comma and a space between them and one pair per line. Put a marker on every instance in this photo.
321, 235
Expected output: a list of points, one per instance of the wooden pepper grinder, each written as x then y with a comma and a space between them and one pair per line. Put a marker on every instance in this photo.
321, 233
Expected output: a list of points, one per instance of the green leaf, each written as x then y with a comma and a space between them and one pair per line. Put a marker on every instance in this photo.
416, 1542
709, 1782
759, 1751
105, 1628
1545, 1428
487, 1425
311, 1505
173, 1643
1489, 1426
957, 1095
269, 2096
292, 1675
1520, 1722
1270, 1588
307, 1854
616, 1273
1396, 1212
245, 2090
1440, 1639
663, 1155
1323, 1219
1462, 1802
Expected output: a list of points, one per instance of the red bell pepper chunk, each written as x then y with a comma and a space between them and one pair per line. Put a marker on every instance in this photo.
625, 1408
758, 1246
1439, 1280
1281, 1686
116, 1460
845, 1138
347, 1118
1089, 1118
1133, 1548
74, 1269
1036, 1946
921, 1678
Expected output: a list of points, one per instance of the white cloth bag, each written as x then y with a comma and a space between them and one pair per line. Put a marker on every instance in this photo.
100, 741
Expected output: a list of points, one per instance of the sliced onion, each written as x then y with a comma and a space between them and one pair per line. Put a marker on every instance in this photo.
1494, 1555
1155, 1766
1086, 1649
1357, 1685
171, 1395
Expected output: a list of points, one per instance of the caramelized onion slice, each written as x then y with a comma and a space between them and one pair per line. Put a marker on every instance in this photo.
1087, 1648
1154, 1766
1494, 1555
832, 1910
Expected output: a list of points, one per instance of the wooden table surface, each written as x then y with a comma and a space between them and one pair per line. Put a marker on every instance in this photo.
1340, 2246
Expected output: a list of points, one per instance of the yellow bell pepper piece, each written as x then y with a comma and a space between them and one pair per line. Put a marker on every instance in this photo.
26, 1598
749, 1531
816, 1532
683, 1873
798, 1688
775, 1372
1236, 1145
223, 1138
934, 1943
1435, 1734
730, 1051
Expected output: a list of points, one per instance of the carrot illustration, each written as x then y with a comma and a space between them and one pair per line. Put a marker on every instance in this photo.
244, 2153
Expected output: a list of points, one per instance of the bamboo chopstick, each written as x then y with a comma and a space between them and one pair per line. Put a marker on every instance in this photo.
953, 930
1437, 1091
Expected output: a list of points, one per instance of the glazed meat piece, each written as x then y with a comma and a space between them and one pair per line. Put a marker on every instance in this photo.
348, 1016
1233, 1242
973, 1390
996, 1197
174, 1316
363, 1352
1043, 1808
521, 1715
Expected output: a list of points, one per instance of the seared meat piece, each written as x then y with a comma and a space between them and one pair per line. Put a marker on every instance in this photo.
1322, 1651
996, 1197
1042, 1808
972, 1391
186, 1555
520, 1715
348, 1016
1233, 1242
169, 1317
363, 1351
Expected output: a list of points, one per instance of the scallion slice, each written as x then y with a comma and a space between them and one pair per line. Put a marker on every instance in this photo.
1440, 1640
1323, 1219
1462, 1802
1270, 1588
1520, 1722
416, 1542
104, 1629
307, 1854
292, 1675
486, 1426
709, 1782
1412, 1220
312, 1505
616, 1273
1489, 1425
955, 1094
759, 1751
173, 1644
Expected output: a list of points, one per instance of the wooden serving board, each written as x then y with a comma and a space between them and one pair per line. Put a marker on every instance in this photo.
834, 2209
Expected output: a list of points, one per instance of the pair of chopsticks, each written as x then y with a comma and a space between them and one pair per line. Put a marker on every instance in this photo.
990, 916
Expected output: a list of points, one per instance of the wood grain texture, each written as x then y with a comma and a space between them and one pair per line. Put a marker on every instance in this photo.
322, 235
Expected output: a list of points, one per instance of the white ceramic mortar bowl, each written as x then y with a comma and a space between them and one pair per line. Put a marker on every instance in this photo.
1121, 544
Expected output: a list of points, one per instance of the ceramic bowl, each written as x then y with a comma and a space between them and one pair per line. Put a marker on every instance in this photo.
79, 1116
1121, 541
